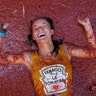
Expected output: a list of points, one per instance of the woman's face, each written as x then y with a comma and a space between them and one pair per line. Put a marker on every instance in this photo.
41, 30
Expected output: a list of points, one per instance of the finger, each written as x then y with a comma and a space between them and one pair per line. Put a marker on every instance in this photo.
79, 20
87, 19
5, 26
79, 15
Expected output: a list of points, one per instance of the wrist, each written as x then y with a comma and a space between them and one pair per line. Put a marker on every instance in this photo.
88, 27
2, 34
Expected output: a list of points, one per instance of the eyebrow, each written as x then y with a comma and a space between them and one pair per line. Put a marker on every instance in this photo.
42, 23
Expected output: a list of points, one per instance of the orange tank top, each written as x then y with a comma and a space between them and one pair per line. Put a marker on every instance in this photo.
52, 76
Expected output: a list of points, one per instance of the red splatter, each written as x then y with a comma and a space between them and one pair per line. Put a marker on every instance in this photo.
56, 87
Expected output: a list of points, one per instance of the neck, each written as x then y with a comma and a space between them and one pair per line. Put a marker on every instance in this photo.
45, 50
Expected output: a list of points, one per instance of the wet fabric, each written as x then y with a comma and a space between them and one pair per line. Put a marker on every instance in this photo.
52, 76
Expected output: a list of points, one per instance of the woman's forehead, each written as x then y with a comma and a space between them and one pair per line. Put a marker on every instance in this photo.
40, 21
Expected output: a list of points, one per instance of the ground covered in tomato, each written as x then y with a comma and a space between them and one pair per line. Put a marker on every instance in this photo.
15, 80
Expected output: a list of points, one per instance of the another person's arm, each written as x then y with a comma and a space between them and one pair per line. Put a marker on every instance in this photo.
3, 28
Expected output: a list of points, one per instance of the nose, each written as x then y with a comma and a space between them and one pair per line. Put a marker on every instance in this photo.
40, 28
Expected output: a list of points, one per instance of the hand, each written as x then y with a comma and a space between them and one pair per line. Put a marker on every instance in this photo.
85, 22
3, 28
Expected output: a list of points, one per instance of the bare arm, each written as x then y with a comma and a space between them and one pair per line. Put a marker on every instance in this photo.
7, 58
78, 51
84, 52
19, 58
88, 30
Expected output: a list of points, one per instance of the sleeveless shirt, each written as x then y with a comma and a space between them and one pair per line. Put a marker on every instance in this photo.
52, 76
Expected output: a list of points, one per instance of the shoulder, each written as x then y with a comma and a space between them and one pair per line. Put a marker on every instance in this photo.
28, 59
66, 48
70, 46
71, 49
28, 54
76, 51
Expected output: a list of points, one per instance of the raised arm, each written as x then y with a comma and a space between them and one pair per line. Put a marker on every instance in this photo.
84, 52
88, 30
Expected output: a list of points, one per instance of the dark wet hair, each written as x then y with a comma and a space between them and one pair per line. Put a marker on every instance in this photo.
30, 40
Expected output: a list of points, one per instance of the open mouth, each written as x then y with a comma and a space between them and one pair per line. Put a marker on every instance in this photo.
41, 34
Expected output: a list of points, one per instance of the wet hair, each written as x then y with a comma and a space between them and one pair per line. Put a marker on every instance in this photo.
30, 40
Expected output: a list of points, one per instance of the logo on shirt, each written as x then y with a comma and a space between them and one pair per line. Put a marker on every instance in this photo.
54, 79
